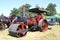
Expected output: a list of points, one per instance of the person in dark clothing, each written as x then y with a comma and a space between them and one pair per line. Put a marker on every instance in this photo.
59, 21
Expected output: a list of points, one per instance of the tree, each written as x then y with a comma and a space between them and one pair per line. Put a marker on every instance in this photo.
19, 10
37, 6
27, 6
51, 8
14, 11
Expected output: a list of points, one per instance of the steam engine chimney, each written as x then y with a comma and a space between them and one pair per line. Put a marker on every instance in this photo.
24, 10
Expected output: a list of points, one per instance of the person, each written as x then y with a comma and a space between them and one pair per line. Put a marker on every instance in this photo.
59, 21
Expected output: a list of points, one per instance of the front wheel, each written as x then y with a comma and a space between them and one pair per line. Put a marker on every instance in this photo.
21, 34
22, 30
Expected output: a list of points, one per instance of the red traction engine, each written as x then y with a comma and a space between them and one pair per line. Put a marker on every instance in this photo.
37, 22
19, 28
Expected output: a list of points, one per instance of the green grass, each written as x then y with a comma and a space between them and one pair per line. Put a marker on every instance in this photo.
52, 34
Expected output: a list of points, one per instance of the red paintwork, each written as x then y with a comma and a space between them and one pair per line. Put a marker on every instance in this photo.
39, 16
46, 27
22, 25
31, 21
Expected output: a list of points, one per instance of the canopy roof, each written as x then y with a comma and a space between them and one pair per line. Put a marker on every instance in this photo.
37, 10
50, 17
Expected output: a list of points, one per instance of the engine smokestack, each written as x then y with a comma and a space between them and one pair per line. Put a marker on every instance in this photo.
23, 10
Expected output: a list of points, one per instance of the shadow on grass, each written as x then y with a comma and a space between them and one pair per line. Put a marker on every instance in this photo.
16, 36
12, 35
49, 28
31, 30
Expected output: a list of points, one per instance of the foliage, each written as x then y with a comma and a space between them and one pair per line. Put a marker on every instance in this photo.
14, 11
19, 10
27, 6
58, 14
51, 8
37, 6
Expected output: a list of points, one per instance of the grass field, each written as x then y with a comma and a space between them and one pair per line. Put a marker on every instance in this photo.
51, 34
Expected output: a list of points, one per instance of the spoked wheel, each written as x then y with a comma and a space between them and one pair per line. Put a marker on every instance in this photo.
43, 25
2, 26
5, 26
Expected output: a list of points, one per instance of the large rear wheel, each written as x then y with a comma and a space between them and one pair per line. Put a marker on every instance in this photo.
43, 25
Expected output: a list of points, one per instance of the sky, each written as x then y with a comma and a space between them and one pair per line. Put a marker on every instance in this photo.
7, 5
